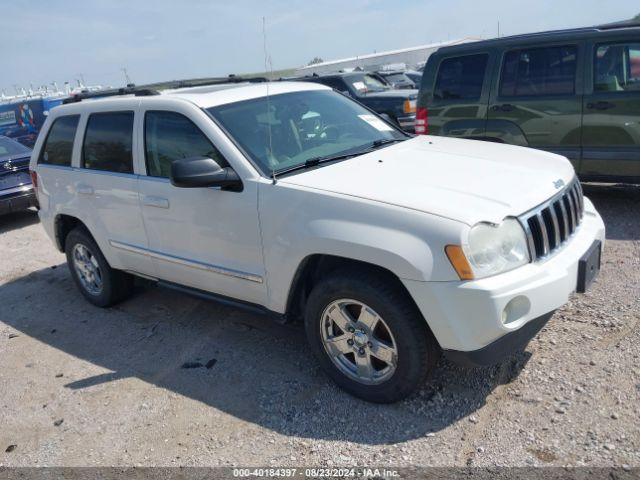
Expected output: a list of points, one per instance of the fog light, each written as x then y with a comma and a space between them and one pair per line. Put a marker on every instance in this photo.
515, 310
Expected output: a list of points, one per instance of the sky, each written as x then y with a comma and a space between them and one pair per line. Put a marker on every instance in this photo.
60, 40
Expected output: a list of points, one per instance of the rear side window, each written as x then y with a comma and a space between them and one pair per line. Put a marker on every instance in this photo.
461, 78
617, 68
108, 142
539, 71
170, 136
58, 147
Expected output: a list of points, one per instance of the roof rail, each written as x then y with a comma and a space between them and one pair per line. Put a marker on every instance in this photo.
155, 88
114, 92
622, 24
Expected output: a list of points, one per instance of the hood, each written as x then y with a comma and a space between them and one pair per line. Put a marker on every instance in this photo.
405, 93
465, 180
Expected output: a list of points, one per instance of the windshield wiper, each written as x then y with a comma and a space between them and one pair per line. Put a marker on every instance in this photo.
312, 162
385, 141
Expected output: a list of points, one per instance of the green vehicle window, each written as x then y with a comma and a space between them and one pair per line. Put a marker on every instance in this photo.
539, 71
617, 68
461, 78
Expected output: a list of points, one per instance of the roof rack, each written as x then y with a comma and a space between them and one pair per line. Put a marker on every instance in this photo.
155, 88
622, 24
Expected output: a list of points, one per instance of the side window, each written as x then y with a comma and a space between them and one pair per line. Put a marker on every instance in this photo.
170, 136
107, 142
461, 78
617, 68
58, 146
539, 71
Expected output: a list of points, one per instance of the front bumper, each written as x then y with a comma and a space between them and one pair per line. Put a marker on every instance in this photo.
17, 199
467, 317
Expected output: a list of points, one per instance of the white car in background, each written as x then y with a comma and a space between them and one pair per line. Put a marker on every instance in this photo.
293, 200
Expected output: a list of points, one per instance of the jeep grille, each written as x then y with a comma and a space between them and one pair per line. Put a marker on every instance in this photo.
549, 225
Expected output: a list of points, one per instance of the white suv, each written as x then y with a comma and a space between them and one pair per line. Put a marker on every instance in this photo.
293, 200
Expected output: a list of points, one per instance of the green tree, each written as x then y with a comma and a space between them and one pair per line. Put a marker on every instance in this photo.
315, 60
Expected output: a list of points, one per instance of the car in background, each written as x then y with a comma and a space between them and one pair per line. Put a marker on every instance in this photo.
572, 92
415, 77
397, 106
397, 79
16, 190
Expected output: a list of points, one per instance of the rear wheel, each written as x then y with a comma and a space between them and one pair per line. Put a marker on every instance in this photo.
97, 281
368, 336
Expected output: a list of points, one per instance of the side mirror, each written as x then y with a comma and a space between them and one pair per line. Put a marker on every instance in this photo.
200, 172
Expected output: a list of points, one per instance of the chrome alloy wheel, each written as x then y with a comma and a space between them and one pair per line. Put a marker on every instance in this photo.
88, 270
358, 341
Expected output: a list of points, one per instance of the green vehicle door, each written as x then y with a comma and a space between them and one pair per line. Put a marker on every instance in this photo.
611, 118
536, 99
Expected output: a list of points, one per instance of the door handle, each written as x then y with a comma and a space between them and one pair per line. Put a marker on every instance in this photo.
507, 107
153, 201
600, 105
84, 189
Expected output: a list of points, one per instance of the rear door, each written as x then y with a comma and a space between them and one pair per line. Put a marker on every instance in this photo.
458, 104
611, 118
106, 186
536, 98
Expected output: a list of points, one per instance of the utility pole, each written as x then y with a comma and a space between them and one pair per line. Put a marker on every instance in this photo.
498, 28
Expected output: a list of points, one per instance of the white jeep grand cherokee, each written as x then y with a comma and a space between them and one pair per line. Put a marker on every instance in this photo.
293, 200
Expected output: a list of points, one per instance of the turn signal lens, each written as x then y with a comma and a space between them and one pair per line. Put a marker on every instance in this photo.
409, 106
459, 262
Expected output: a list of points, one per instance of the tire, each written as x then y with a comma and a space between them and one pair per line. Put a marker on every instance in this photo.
109, 286
416, 349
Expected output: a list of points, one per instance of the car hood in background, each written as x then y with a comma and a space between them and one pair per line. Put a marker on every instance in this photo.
465, 180
405, 93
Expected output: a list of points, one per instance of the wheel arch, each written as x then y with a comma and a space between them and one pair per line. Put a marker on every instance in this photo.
63, 224
315, 267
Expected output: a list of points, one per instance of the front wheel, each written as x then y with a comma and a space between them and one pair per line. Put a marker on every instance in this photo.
368, 336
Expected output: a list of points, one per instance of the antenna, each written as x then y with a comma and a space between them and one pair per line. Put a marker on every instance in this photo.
267, 60
126, 76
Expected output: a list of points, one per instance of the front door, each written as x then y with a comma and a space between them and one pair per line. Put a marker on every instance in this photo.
536, 101
611, 121
206, 238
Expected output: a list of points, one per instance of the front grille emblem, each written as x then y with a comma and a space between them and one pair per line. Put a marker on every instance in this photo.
558, 184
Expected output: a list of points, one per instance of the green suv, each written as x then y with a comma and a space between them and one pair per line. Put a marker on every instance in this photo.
572, 92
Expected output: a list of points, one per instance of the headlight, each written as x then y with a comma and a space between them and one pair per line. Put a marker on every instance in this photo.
494, 249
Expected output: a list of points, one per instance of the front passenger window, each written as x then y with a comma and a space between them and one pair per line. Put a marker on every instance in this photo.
171, 136
617, 68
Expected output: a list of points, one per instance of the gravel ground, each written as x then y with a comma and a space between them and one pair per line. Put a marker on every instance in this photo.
84, 386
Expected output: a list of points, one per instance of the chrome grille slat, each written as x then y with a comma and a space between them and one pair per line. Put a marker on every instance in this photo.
551, 224
565, 220
543, 232
556, 227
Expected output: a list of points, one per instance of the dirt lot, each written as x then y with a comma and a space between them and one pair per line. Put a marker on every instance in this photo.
85, 386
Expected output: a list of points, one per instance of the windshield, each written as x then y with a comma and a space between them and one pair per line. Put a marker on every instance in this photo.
291, 128
366, 83
9, 148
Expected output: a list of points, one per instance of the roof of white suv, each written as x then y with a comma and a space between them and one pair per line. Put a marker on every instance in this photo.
212, 95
